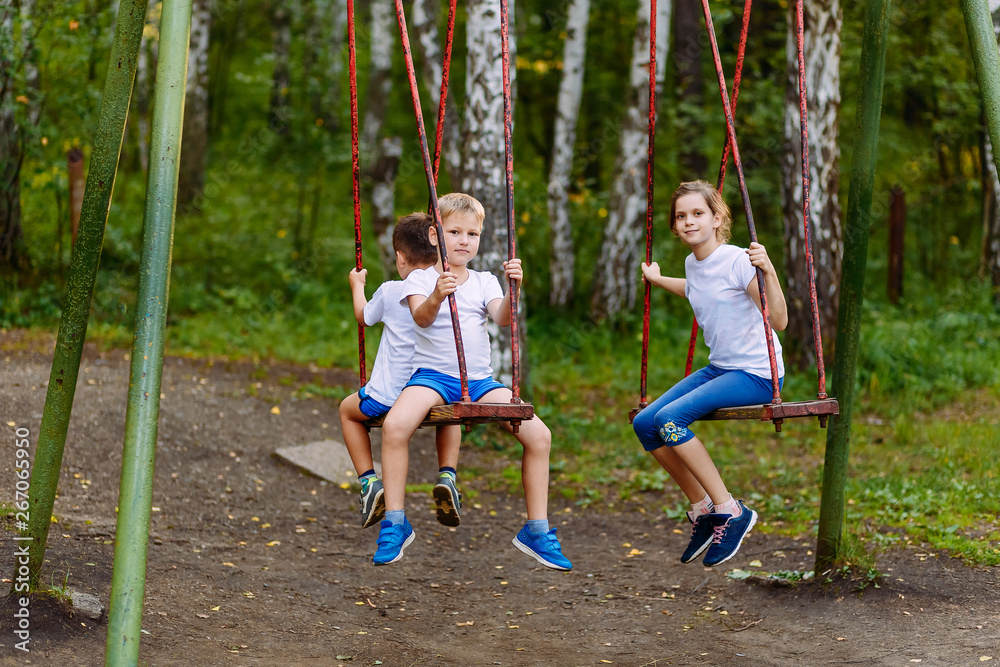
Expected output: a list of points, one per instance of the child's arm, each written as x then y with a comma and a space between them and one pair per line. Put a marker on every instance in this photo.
776, 306
651, 272
499, 309
357, 280
425, 308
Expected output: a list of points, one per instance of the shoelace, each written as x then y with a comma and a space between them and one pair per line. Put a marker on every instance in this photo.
719, 533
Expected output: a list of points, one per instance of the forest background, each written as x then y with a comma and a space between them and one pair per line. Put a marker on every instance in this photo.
264, 234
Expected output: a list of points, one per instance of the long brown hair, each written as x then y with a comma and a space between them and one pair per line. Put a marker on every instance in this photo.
716, 204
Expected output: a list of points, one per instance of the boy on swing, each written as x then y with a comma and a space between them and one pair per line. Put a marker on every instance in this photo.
393, 366
435, 380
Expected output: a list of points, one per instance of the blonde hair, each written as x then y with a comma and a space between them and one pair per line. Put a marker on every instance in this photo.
459, 202
715, 202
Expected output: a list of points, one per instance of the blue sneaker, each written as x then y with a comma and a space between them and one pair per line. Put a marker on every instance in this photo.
702, 532
542, 547
372, 501
448, 501
391, 542
729, 533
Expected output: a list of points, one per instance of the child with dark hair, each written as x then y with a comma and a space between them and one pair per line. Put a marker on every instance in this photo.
390, 373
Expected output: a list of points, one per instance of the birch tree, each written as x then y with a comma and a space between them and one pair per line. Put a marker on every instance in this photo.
822, 22
11, 234
483, 154
281, 81
618, 269
562, 264
429, 47
990, 258
335, 17
191, 181
380, 153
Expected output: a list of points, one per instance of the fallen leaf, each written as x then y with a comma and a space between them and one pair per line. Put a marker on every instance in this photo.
984, 658
755, 563
916, 660
273, 543
276, 410
228, 564
202, 615
217, 608
840, 639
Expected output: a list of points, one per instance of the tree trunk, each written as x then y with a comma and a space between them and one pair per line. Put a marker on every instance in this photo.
281, 27
687, 55
381, 154
30, 60
822, 20
194, 153
336, 18
428, 44
562, 264
990, 261
483, 154
11, 234
618, 269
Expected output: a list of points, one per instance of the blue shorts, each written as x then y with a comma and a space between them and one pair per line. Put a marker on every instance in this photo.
449, 388
665, 421
370, 406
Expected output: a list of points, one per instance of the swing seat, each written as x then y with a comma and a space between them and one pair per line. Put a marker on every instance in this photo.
471, 413
772, 412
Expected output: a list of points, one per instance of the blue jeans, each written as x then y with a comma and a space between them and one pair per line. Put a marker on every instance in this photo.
665, 421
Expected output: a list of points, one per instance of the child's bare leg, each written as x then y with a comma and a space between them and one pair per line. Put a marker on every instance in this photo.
359, 443
399, 426
679, 472
448, 440
699, 462
536, 439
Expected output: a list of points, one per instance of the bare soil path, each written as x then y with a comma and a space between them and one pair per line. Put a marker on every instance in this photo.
252, 562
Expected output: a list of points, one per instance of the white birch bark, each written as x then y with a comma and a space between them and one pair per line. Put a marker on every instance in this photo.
191, 181
618, 269
381, 154
429, 44
822, 20
483, 158
562, 264
990, 258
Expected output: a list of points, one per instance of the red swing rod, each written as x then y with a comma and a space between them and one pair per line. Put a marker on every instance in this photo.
432, 189
515, 345
744, 194
806, 227
649, 201
744, 31
445, 70
356, 172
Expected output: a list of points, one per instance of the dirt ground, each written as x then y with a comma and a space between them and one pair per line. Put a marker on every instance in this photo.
253, 562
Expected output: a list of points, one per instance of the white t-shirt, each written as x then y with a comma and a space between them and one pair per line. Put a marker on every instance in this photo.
394, 360
435, 346
733, 325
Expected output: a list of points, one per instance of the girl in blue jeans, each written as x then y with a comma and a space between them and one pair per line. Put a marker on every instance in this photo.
721, 284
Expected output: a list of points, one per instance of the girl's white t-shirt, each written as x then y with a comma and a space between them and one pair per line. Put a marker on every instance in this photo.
732, 324
435, 345
394, 360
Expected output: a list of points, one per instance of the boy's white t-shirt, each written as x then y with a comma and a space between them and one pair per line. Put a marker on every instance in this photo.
435, 345
394, 360
732, 324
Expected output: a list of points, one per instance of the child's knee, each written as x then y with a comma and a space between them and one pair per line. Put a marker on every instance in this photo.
540, 439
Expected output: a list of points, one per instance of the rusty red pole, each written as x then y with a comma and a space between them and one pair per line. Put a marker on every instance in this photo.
432, 189
445, 70
649, 202
806, 225
356, 172
745, 195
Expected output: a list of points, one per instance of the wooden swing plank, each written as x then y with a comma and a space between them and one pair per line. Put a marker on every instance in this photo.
471, 413
770, 411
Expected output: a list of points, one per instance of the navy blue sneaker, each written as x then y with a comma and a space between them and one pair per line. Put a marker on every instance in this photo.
702, 533
542, 547
448, 501
372, 501
391, 542
729, 533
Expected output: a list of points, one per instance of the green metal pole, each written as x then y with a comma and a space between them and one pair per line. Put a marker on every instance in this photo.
859, 204
135, 496
983, 40
82, 277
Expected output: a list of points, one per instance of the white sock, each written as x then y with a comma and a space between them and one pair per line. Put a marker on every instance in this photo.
731, 506
702, 507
